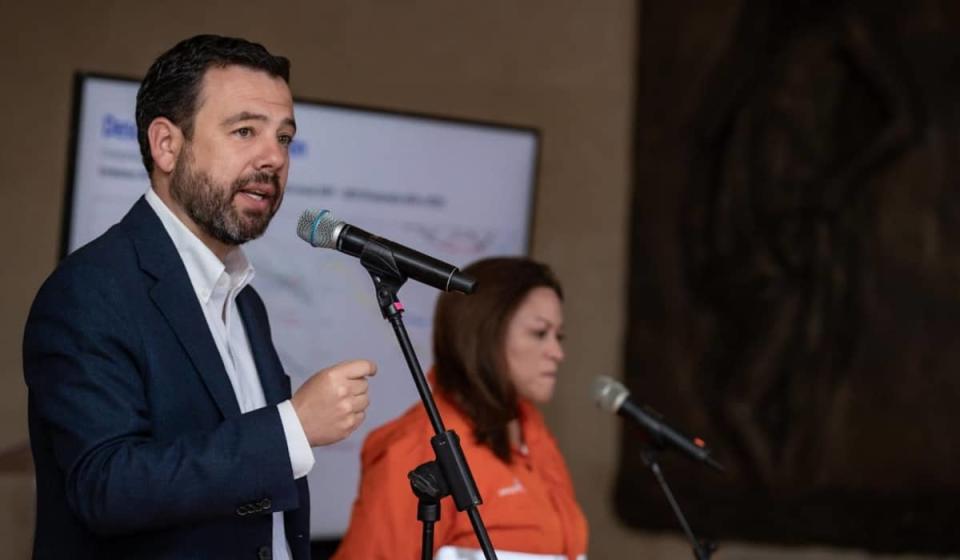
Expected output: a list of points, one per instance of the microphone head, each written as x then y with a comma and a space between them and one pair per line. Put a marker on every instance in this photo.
319, 228
608, 393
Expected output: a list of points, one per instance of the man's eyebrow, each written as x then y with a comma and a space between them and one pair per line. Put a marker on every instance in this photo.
248, 116
243, 116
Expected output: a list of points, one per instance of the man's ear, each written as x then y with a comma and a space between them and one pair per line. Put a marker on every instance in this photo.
166, 140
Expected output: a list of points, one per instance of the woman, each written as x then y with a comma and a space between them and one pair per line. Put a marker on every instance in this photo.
497, 353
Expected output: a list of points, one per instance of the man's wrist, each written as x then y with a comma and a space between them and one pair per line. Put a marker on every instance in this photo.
301, 456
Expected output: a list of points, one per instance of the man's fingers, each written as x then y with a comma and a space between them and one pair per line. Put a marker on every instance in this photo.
357, 387
359, 403
357, 369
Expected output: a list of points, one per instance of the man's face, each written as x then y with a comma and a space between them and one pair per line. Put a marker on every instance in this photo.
230, 177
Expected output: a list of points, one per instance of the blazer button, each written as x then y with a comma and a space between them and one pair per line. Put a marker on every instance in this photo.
265, 504
243, 510
265, 553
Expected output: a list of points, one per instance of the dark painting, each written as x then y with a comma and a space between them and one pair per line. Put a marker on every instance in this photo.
795, 273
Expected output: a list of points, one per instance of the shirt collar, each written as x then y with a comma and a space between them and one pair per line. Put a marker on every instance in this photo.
204, 268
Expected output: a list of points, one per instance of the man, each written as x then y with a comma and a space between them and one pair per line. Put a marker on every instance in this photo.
161, 420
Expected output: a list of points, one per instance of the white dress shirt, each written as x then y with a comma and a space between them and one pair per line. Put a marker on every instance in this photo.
216, 284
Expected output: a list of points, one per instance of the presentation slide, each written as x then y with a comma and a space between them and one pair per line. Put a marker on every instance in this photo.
455, 190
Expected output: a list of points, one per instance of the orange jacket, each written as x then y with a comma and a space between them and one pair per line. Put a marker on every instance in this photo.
528, 506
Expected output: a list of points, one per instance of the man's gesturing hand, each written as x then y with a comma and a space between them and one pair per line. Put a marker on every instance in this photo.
332, 402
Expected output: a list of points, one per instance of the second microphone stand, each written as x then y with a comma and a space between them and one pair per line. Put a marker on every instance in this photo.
701, 549
449, 473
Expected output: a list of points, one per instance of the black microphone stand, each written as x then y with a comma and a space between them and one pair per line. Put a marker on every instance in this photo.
428, 485
449, 473
701, 549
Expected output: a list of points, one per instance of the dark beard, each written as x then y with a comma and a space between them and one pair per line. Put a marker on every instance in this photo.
211, 207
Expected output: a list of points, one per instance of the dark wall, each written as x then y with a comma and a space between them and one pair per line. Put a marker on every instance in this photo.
794, 283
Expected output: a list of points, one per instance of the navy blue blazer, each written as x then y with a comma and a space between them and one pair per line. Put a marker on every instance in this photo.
139, 444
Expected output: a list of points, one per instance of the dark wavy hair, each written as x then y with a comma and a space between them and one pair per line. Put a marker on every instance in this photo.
172, 84
468, 344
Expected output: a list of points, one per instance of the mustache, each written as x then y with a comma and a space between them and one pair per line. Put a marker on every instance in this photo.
258, 177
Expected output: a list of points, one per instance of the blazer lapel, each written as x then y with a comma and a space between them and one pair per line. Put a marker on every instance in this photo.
276, 384
175, 298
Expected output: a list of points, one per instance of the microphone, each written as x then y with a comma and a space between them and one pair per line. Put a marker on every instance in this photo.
612, 396
320, 229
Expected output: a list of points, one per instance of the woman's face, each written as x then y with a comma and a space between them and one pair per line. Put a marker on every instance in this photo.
532, 346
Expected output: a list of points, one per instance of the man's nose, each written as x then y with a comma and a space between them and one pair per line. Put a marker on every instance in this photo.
272, 155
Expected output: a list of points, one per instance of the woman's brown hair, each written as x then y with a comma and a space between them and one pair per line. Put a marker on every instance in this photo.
468, 342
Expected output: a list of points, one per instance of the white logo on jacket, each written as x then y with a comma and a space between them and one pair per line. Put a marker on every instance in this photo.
514, 488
